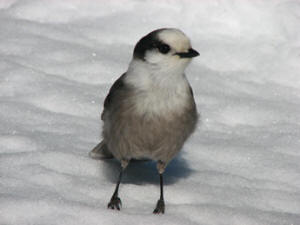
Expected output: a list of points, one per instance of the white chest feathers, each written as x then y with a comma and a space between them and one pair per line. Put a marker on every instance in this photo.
161, 102
159, 93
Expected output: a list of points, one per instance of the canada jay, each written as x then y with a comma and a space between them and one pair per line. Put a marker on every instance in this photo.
150, 110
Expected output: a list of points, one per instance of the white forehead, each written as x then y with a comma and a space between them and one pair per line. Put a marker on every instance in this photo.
175, 38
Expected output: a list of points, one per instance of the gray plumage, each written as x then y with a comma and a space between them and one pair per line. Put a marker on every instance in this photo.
150, 110
129, 135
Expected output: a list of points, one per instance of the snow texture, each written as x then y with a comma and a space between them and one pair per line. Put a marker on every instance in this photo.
59, 58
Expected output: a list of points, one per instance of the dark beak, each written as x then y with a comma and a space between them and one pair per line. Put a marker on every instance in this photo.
190, 54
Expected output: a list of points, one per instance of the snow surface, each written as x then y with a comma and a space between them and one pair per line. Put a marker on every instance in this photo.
57, 62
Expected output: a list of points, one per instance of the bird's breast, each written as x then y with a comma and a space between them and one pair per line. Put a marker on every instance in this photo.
161, 102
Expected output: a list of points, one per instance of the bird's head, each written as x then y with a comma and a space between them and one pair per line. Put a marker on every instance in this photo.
166, 48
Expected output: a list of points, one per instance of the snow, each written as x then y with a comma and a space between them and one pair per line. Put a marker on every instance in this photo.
59, 58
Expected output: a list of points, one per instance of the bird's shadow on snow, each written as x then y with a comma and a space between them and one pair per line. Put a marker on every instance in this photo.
140, 172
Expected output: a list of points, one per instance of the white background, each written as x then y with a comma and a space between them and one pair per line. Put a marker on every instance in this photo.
57, 62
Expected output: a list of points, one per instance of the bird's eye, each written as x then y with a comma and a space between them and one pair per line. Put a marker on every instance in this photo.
164, 48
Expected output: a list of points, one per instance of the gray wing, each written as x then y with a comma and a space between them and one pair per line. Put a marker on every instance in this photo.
115, 89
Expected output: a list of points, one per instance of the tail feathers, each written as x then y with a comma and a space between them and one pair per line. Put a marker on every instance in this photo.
101, 152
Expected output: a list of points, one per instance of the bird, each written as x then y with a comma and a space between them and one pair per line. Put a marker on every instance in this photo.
150, 110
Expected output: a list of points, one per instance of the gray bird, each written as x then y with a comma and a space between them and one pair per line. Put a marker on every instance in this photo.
150, 110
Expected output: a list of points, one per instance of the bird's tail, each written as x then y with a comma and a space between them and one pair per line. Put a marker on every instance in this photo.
101, 152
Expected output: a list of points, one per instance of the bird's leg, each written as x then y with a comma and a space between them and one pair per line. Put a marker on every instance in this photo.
160, 206
115, 201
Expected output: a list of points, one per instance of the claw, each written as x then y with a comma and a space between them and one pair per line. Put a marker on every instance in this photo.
114, 203
160, 207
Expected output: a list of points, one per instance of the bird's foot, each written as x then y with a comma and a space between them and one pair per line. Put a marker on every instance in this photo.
114, 203
160, 207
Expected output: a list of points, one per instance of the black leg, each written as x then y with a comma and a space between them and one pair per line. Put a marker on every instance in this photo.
160, 206
115, 201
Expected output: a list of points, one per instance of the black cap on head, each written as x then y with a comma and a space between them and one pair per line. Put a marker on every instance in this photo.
150, 41
157, 40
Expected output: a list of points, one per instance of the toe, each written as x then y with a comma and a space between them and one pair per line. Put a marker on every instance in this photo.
160, 207
114, 203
